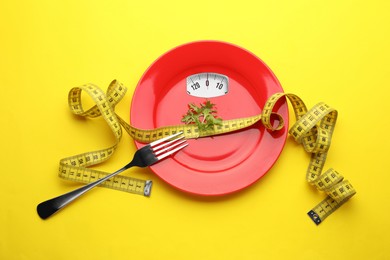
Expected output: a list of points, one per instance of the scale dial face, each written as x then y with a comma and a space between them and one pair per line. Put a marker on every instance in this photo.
207, 85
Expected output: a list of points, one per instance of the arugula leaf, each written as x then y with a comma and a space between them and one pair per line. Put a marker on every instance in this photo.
204, 116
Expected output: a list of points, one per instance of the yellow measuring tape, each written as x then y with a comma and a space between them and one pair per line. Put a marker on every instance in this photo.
313, 129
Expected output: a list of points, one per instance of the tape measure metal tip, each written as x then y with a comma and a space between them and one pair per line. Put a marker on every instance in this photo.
148, 188
314, 216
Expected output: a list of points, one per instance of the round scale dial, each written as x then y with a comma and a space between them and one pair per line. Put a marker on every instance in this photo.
207, 85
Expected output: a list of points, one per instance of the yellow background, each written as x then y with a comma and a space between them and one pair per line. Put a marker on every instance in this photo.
331, 51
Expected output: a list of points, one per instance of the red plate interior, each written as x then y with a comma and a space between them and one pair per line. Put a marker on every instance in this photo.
213, 165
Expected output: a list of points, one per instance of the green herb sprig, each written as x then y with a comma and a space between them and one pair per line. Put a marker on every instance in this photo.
204, 116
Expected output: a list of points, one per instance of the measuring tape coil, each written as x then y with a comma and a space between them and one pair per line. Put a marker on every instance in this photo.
313, 129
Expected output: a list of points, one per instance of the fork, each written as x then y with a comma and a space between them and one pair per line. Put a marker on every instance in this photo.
143, 157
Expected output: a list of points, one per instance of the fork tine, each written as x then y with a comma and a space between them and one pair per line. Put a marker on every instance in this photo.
172, 151
168, 146
155, 148
165, 139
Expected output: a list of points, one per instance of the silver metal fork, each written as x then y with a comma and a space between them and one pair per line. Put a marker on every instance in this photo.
143, 157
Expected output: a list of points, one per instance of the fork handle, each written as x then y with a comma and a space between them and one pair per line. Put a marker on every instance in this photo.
51, 206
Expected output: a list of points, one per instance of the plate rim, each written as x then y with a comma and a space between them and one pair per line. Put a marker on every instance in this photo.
189, 44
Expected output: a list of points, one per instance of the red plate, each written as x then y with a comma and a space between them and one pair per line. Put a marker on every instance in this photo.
213, 165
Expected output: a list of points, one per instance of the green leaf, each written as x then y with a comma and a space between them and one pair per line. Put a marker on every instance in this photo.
204, 116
